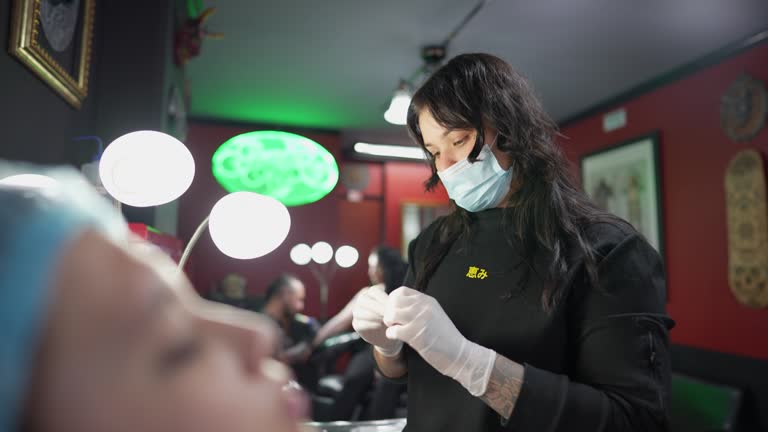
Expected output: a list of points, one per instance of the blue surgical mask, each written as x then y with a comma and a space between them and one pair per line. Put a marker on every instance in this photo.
479, 185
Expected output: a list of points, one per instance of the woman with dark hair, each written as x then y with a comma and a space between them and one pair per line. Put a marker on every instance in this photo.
386, 266
526, 308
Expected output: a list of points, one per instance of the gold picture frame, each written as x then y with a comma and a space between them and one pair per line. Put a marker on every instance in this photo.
625, 179
53, 39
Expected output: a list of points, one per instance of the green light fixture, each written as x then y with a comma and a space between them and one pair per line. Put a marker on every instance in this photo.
290, 168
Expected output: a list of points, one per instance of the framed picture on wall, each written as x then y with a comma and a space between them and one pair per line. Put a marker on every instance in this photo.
624, 179
53, 39
416, 216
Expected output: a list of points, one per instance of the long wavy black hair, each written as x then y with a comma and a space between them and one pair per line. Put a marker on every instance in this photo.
547, 214
393, 267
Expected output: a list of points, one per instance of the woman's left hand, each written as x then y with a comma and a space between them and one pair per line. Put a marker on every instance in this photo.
418, 320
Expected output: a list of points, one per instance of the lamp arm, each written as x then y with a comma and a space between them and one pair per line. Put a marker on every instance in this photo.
332, 267
192, 241
320, 271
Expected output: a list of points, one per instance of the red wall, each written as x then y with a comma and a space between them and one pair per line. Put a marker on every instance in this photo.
694, 153
364, 225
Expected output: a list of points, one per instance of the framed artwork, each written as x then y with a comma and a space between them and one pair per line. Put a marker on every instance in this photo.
624, 179
53, 39
416, 216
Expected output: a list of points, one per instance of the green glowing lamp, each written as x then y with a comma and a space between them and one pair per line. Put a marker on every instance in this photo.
290, 168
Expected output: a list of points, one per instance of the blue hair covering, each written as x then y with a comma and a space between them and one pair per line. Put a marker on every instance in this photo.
35, 227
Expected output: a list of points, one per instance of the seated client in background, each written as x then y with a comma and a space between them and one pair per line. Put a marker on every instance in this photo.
284, 302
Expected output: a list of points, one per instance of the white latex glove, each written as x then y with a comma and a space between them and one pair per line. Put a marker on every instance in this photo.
418, 320
367, 321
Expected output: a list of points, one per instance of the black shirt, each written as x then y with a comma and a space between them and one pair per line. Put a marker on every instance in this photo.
301, 328
598, 361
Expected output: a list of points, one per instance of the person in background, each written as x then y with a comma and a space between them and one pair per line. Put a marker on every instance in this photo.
284, 302
233, 290
527, 308
386, 271
386, 267
99, 334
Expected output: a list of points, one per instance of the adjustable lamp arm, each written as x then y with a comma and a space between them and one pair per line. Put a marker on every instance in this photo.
192, 241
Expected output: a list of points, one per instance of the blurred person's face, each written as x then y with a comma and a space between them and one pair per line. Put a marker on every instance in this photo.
234, 287
375, 274
293, 297
129, 347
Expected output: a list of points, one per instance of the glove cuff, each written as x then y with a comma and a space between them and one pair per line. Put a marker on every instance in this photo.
390, 351
474, 368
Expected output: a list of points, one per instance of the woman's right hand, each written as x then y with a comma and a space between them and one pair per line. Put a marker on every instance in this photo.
367, 320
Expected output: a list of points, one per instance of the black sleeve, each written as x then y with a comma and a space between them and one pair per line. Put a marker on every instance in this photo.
304, 331
620, 371
313, 326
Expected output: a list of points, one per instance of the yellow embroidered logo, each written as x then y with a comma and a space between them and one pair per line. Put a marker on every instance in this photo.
477, 273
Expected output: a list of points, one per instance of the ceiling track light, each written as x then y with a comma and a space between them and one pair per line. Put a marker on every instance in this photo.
433, 56
397, 113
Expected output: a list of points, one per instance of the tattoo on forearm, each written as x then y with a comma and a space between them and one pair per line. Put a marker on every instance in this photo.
504, 386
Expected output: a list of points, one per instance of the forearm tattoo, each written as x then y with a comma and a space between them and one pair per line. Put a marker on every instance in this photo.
504, 386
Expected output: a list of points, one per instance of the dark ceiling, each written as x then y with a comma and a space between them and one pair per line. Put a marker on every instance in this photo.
335, 63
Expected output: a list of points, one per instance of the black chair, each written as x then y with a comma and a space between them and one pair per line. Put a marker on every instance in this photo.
331, 384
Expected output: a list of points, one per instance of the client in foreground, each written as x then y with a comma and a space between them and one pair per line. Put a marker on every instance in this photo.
100, 332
